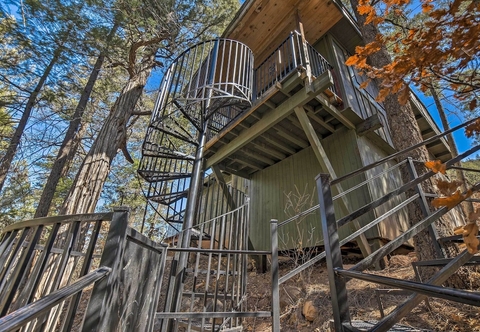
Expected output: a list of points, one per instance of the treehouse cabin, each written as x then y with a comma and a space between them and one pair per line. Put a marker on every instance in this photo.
241, 128
279, 107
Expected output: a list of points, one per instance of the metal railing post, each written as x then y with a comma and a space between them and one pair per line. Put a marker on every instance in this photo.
338, 290
274, 271
425, 209
103, 308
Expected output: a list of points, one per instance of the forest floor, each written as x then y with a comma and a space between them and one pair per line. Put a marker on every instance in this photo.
440, 315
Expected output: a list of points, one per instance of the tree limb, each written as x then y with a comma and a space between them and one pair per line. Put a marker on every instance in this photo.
132, 54
142, 113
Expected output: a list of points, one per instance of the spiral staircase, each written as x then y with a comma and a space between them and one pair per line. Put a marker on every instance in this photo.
204, 89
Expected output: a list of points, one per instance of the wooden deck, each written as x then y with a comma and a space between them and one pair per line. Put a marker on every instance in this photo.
270, 131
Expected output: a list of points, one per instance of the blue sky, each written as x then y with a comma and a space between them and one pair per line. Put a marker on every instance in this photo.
455, 117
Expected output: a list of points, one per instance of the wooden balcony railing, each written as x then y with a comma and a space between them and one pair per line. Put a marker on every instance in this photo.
288, 58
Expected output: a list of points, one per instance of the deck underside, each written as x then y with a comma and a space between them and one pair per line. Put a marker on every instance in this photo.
270, 131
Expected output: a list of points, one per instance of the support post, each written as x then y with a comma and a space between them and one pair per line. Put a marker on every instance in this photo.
274, 269
102, 311
338, 290
327, 167
223, 186
174, 300
425, 209
308, 68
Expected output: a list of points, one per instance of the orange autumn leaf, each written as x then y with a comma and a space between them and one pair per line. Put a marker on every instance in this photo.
436, 166
404, 96
448, 188
382, 95
426, 7
372, 47
469, 233
473, 128
364, 84
458, 230
365, 9
352, 61
452, 200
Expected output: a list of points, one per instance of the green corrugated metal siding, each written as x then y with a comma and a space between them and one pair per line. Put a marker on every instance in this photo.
270, 186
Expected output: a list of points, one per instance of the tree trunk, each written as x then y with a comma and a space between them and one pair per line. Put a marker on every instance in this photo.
405, 133
93, 172
72, 137
12, 147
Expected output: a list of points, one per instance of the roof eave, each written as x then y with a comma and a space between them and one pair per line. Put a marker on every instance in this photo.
238, 16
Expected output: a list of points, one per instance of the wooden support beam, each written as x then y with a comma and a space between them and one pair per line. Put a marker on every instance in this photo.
320, 121
370, 124
237, 172
271, 118
224, 187
429, 131
257, 156
278, 143
291, 82
268, 150
328, 106
293, 119
327, 166
244, 160
291, 136
270, 104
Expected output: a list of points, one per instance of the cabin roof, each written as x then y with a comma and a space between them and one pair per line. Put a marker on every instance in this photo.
263, 24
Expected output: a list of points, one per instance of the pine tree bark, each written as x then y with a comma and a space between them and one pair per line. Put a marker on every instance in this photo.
15, 141
405, 133
70, 142
86, 189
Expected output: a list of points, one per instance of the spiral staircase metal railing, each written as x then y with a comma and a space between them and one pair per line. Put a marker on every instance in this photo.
205, 88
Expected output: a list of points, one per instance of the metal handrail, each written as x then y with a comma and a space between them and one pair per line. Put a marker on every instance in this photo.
366, 208
343, 193
46, 221
22, 316
452, 294
399, 153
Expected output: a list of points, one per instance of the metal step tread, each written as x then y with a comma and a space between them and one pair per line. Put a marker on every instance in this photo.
169, 198
453, 238
367, 325
196, 326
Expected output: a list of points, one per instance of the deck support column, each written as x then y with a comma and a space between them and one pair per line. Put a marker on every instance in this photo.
223, 187
338, 284
326, 166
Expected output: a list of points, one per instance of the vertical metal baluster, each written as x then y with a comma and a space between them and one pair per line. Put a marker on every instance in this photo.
274, 274
338, 290
5, 251
16, 251
75, 300
425, 210
34, 279
19, 271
